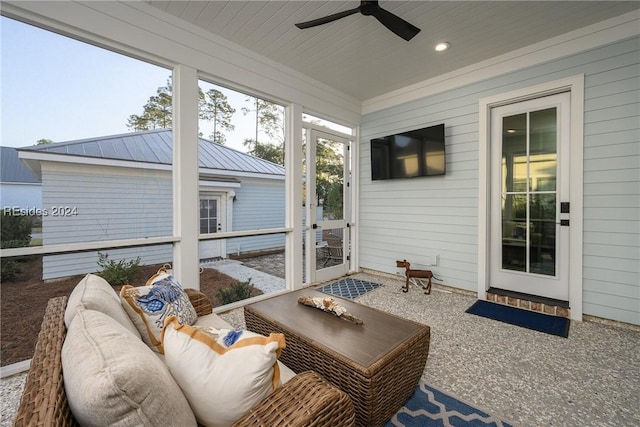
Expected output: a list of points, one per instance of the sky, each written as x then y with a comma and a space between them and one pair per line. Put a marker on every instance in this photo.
57, 88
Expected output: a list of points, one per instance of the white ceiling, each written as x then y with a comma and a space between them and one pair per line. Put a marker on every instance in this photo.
360, 57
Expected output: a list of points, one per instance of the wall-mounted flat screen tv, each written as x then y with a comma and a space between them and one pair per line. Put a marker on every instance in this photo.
409, 154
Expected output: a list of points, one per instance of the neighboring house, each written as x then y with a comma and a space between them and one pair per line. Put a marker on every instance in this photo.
20, 189
119, 187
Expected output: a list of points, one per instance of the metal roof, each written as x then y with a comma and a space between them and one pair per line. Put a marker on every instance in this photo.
155, 146
12, 169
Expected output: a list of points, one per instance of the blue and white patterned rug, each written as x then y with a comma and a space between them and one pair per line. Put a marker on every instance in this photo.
348, 288
431, 407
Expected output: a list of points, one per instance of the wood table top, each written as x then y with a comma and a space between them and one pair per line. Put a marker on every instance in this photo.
364, 344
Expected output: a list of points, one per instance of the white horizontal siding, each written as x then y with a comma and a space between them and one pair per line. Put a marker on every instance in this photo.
111, 204
56, 266
611, 268
114, 203
259, 204
417, 218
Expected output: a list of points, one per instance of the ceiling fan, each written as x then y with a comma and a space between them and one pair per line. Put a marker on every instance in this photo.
370, 8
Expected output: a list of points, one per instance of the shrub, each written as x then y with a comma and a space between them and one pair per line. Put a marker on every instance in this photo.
9, 270
235, 292
15, 231
118, 273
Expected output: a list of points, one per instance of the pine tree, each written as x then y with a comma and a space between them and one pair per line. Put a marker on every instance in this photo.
215, 107
269, 121
157, 113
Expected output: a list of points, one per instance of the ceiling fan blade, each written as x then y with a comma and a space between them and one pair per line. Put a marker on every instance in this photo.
327, 19
396, 24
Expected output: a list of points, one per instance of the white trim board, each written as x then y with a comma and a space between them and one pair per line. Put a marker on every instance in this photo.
592, 36
574, 85
33, 159
15, 368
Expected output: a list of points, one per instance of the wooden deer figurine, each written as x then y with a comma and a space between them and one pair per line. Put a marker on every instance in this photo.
417, 274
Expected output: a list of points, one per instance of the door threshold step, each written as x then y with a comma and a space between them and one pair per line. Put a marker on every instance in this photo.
535, 303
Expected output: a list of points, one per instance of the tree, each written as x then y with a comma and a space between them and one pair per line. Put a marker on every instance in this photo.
15, 230
214, 106
44, 141
329, 176
270, 122
157, 113
137, 123
266, 151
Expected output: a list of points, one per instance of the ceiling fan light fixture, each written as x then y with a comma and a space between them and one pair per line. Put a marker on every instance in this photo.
393, 22
442, 46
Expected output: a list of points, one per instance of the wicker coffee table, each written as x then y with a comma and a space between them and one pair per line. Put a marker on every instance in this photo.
378, 363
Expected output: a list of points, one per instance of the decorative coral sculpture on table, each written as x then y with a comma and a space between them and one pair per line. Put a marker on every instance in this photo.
330, 306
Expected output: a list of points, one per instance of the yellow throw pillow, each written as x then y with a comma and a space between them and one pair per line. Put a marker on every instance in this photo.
223, 373
149, 306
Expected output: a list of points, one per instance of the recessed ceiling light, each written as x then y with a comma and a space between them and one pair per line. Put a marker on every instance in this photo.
442, 46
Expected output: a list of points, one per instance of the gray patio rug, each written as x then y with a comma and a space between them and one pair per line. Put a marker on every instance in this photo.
348, 288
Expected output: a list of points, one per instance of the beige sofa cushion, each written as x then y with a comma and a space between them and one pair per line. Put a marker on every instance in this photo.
212, 320
112, 378
95, 293
223, 373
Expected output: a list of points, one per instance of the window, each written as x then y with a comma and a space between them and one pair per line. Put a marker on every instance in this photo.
208, 216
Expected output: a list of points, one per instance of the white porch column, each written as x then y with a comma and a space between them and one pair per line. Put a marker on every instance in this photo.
185, 176
293, 188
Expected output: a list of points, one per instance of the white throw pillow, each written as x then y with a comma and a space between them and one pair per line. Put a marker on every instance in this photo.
111, 378
223, 373
149, 306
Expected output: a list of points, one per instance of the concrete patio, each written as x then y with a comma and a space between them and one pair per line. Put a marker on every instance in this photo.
591, 378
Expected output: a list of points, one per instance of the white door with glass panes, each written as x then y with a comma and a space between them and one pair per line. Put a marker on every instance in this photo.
211, 222
530, 213
328, 207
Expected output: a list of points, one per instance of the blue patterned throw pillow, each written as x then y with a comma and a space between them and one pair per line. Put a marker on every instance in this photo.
149, 306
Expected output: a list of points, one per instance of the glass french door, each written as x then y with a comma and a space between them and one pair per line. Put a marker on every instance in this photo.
211, 221
327, 177
529, 197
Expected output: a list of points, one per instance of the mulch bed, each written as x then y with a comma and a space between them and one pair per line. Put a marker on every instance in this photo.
23, 302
